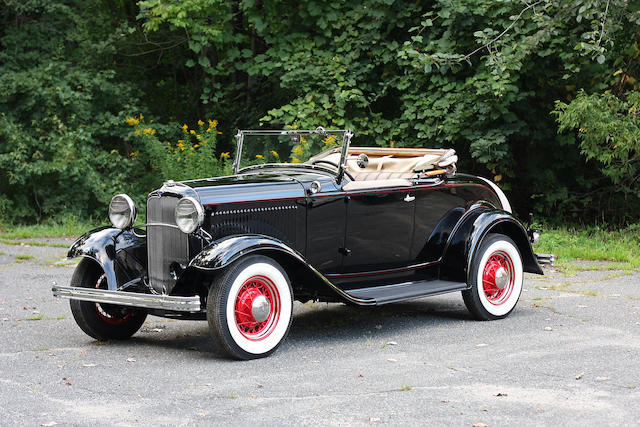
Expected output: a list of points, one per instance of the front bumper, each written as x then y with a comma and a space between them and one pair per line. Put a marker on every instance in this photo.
132, 299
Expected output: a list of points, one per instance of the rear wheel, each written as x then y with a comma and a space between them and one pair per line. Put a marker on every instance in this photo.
102, 321
496, 279
249, 308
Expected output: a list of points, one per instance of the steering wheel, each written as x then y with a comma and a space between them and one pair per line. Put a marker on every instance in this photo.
335, 165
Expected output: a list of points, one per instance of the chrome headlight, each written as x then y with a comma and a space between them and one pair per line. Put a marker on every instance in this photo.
122, 211
189, 215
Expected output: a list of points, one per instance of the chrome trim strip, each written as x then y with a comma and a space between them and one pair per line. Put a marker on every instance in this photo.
158, 224
132, 299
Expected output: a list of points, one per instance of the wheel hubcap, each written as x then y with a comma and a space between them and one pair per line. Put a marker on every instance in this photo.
260, 308
502, 277
257, 308
498, 278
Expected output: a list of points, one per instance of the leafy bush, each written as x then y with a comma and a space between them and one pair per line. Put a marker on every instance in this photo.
191, 155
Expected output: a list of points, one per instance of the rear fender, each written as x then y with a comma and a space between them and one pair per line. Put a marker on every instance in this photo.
226, 251
466, 239
120, 253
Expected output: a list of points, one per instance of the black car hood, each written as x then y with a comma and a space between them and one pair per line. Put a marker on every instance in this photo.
248, 187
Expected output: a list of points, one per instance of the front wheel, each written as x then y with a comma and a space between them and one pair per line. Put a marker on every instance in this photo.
496, 279
102, 321
249, 308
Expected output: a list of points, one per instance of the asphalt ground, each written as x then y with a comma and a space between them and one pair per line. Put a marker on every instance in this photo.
568, 355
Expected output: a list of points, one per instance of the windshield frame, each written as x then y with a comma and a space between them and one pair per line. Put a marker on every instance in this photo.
346, 141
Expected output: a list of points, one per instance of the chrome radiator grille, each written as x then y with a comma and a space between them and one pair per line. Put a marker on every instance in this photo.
166, 244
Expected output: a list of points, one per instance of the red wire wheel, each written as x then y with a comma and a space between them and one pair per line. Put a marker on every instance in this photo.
257, 308
111, 314
498, 278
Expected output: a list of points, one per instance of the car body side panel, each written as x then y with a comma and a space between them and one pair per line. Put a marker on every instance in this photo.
121, 253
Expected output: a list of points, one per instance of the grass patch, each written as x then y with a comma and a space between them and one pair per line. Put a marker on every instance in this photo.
594, 244
24, 257
70, 227
38, 317
20, 243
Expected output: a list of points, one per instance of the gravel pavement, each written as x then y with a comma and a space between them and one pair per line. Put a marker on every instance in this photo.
568, 355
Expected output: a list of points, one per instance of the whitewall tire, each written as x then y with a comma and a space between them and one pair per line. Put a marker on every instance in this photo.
496, 278
249, 308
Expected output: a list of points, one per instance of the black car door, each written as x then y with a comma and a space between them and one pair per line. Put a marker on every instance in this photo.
379, 229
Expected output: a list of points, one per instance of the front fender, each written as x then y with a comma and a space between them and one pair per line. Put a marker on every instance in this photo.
120, 253
473, 227
225, 251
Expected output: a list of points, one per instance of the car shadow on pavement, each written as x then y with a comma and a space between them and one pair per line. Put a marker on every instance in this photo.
319, 322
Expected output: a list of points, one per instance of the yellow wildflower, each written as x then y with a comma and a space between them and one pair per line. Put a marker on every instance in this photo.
275, 154
329, 140
134, 154
303, 139
196, 146
191, 154
296, 160
185, 127
138, 132
200, 122
141, 116
225, 155
213, 123
178, 158
219, 133
198, 137
149, 131
132, 121
169, 144
259, 156
297, 150
181, 146
208, 130
192, 132
293, 126
181, 140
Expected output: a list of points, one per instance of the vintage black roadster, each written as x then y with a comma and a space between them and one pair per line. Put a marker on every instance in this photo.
305, 216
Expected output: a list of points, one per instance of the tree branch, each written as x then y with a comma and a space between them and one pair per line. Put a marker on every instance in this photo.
496, 38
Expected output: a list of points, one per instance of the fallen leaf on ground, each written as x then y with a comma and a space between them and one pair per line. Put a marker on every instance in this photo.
501, 394
580, 375
392, 343
481, 345
89, 365
131, 359
391, 360
548, 328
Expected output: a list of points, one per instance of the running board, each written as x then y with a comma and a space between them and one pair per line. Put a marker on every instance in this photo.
405, 291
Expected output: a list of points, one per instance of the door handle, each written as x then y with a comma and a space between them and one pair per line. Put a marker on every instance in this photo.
409, 198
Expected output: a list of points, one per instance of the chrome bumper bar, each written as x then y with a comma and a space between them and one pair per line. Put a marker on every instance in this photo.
546, 259
133, 299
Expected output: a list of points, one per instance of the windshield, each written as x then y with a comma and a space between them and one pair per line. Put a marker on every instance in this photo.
258, 147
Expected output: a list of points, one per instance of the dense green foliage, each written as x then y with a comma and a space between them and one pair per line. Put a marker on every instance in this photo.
496, 80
